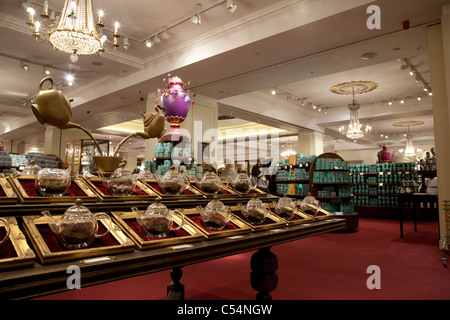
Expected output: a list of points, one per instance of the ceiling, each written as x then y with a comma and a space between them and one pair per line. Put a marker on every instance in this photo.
300, 47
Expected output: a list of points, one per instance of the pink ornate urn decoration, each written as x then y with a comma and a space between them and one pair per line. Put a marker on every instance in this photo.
385, 155
177, 102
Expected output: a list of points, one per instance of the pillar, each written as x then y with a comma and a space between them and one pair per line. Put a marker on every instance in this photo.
52, 142
439, 50
310, 143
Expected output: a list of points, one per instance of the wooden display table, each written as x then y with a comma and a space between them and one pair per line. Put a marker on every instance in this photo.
45, 279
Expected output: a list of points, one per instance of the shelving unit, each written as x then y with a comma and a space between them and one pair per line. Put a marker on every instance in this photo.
330, 183
376, 187
293, 179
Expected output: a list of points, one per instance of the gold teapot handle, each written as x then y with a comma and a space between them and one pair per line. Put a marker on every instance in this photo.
46, 79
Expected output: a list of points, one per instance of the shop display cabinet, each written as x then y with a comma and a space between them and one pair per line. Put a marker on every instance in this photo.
79, 153
293, 178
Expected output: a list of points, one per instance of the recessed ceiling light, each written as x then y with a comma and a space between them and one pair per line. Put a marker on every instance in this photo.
97, 63
369, 55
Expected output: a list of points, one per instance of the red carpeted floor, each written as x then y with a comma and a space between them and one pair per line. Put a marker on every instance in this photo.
329, 266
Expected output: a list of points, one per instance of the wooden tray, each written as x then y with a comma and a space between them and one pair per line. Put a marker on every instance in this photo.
142, 191
234, 227
7, 194
15, 252
49, 250
128, 223
24, 188
190, 193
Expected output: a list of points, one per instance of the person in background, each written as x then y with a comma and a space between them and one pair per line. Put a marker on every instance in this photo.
229, 170
262, 175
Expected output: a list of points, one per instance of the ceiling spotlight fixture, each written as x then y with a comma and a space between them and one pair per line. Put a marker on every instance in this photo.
273, 92
24, 66
402, 101
390, 102
430, 93
75, 32
196, 19
70, 78
148, 43
156, 39
419, 98
47, 71
165, 35
126, 42
231, 6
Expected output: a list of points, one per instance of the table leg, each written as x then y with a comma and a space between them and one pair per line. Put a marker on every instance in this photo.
175, 289
264, 276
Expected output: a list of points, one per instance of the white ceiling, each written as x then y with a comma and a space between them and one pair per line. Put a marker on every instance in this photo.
302, 47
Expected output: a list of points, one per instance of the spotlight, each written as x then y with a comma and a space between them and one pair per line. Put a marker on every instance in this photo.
231, 6
148, 43
70, 78
47, 71
156, 39
419, 98
126, 42
430, 93
196, 19
411, 73
402, 101
274, 92
390, 102
24, 66
314, 106
165, 35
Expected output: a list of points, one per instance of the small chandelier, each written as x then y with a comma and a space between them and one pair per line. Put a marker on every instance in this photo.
288, 152
410, 150
75, 32
354, 130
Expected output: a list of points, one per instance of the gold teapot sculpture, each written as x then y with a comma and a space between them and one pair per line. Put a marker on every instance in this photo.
157, 220
53, 108
78, 227
8, 229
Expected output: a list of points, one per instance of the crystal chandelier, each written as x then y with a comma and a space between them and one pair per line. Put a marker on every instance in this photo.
288, 152
75, 32
354, 130
410, 150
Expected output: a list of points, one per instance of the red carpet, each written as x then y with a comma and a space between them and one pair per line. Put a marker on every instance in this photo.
325, 267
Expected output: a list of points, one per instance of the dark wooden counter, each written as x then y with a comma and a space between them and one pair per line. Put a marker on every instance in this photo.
40, 280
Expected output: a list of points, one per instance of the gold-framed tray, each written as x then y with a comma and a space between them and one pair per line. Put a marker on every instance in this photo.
186, 234
321, 214
190, 192
14, 252
251, 193
272, 221
25, 188
225, 192
7, 194
234, 227
299, 216
50, 250
140, 192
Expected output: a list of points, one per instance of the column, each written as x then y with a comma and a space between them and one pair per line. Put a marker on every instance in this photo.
439, 50
310, 143
52, 141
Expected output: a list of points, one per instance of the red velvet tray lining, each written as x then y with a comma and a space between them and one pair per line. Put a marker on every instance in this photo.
6, 248
103, 189
197, 219
55, 246
134, 225
30, 188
